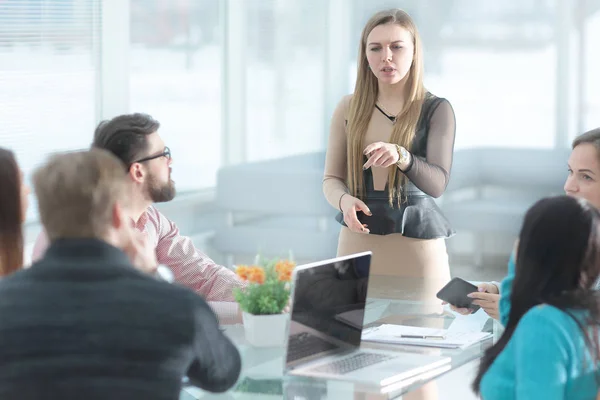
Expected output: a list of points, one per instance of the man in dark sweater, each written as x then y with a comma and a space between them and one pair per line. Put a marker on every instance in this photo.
88, 321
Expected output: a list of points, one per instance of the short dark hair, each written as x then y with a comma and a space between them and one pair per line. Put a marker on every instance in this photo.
11, 214
125, 136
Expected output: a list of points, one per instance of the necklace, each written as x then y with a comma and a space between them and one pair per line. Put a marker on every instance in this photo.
385, 112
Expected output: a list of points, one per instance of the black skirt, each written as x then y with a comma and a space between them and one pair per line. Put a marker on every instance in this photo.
417, 217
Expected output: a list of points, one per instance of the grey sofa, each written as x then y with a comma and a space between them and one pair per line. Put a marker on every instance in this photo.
491, 188
277, 206
274, 207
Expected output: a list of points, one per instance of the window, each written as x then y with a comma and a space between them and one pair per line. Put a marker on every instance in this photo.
48, 57
285, 43
176, 77
591, 78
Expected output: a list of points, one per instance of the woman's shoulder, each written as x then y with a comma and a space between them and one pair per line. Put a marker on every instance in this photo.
544, 318
341, 110
433, 106
433, 101
345, 101
546, 312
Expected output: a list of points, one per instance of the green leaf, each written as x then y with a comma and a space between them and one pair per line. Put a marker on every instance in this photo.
268, 298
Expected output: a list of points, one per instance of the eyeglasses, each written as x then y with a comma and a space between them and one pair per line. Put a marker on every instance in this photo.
166, 153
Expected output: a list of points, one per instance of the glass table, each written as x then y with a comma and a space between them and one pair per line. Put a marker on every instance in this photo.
391, 300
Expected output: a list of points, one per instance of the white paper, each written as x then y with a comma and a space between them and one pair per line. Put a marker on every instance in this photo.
388, 333
469, 323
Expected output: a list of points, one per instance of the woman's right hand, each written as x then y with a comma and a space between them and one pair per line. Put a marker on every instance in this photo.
350, 205
487, 297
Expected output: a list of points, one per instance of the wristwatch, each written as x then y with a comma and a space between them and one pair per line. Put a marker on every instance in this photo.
404, 156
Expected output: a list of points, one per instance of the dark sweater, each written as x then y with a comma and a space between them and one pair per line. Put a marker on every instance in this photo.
82, 323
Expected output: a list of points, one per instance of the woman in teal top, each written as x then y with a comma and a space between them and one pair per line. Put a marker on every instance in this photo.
506, 289
549, 349
583, 182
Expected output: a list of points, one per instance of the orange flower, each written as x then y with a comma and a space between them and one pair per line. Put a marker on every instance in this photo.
256, 275
284, 265
242, 271
284, 270
285, 276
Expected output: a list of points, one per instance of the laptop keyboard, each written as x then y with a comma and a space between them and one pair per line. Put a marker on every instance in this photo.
304, 345
352, 363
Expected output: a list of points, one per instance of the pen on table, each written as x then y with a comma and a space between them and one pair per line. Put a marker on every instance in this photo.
422, 337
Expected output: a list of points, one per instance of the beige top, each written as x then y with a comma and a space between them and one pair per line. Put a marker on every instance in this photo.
432, 151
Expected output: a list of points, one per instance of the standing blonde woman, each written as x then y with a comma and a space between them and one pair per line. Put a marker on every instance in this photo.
389, 154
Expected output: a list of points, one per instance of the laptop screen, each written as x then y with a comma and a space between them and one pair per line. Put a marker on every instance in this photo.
328, 306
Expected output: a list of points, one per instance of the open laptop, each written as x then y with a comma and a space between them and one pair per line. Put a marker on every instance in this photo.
324, 343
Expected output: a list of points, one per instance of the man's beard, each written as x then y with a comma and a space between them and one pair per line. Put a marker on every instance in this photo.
160, 193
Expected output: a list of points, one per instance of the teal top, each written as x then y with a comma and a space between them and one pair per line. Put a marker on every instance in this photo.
506, 290
546, 358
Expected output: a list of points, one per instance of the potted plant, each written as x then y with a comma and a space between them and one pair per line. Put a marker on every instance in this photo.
264, 299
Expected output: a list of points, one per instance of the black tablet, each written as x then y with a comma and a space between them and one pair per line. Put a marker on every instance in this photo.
455, 293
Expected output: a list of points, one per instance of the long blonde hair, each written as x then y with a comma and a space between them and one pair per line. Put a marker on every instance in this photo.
365, 97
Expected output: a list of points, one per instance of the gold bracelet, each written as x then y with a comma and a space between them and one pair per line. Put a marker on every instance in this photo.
402, 155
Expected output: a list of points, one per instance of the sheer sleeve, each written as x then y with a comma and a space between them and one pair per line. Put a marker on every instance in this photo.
432, 174
334, 179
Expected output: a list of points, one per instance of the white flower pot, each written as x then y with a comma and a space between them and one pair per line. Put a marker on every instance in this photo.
265, 330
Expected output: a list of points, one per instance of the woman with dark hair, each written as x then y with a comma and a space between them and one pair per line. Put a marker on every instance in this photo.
13, 207
550, 348
583, 181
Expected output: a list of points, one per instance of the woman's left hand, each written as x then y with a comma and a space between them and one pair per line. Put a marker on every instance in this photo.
381, 155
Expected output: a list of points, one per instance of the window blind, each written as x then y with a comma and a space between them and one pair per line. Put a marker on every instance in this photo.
49, 53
